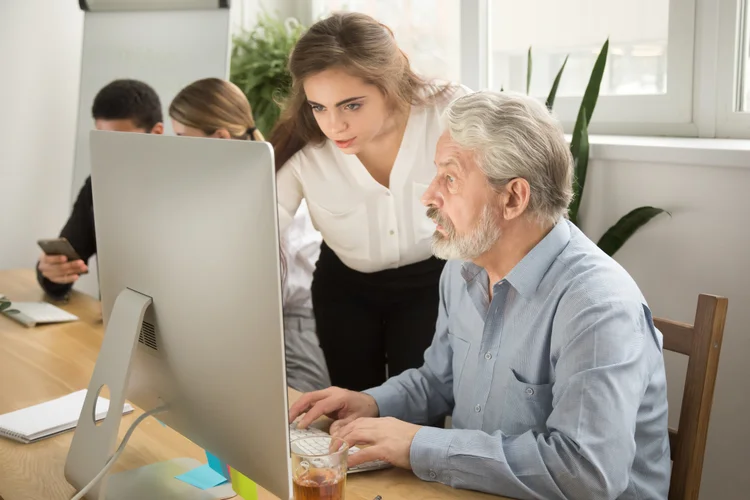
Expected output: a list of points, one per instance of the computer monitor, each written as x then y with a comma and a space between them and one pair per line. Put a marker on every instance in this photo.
190, 280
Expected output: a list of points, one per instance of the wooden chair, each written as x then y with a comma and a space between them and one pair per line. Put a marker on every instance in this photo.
701, 342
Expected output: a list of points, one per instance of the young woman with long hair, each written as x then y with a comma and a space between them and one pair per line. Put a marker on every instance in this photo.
356, 141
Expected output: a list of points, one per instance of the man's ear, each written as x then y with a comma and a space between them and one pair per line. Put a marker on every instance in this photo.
158, 128
518, 194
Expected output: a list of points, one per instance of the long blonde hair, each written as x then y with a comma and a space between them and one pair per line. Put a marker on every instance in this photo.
363, 47
212, 104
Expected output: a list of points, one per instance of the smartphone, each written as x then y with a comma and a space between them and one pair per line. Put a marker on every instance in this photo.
59, 246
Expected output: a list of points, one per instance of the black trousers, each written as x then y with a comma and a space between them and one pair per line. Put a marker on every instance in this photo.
368, 323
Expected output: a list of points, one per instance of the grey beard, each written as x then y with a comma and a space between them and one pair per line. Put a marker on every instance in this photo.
464, 247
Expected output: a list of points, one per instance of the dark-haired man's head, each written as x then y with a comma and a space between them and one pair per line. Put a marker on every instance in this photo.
128, 106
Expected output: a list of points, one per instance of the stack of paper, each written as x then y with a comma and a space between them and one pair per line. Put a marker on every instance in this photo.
53, 417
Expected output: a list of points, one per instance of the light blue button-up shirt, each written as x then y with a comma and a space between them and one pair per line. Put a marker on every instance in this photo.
556, 386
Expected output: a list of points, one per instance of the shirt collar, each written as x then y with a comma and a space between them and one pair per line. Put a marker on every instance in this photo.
528, 273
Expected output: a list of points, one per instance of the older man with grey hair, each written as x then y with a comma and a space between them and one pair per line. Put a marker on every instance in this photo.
545, 351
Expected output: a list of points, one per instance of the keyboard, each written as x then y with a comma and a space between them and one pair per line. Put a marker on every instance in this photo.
321, 447
31, 314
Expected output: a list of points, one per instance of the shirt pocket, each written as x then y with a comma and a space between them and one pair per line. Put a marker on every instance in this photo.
460, 349
424, 227
526, 406
346, 229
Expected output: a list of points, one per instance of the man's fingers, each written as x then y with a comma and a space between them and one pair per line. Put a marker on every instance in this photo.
55, 270
68, 278
366, 455
305, 402
356, 424
53, 259
358, 432
75, 267
60, 273
60, 277
340, 424
322, 407
79, 266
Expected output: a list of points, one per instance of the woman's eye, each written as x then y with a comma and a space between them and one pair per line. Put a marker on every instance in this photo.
353, 106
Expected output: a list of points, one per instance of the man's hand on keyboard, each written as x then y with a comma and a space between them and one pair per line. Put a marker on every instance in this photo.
335, 403
388, 439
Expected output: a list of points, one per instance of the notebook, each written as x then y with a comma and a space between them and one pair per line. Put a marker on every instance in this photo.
33, 313
50, 418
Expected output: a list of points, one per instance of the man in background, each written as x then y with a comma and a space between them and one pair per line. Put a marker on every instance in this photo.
121, 106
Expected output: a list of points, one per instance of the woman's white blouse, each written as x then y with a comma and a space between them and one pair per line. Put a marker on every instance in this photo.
370, 227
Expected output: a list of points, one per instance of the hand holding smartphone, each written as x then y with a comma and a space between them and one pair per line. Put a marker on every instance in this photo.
60, 263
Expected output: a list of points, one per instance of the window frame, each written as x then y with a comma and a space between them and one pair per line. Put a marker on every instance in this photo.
702, 74
730, 123
641, 114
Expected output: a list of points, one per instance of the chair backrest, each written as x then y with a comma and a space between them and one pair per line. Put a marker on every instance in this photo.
701, 342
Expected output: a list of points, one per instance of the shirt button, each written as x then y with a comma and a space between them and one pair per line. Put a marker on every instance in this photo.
392, 232
478, 408
387, 193
488, 356
529, 391
433, 475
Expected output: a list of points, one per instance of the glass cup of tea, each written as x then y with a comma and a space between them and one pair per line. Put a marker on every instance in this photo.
319, 468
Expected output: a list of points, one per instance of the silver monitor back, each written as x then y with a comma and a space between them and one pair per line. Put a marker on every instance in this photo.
192, 224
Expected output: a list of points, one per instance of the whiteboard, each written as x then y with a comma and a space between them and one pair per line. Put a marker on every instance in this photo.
166, 49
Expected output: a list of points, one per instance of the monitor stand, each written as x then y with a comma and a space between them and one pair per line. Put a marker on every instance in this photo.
158, 481
93, 444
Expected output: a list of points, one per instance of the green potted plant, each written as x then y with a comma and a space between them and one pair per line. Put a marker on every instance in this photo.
5, 306
259, 66
623, 229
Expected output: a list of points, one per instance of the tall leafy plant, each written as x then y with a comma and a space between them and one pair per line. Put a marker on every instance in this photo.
616, 236
259, 66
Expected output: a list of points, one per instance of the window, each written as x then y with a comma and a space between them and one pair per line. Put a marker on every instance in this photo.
744, 57
428, 31
638, 30
675, 67
647, 84
732, 85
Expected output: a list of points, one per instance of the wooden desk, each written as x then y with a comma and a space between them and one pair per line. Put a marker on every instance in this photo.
50, 361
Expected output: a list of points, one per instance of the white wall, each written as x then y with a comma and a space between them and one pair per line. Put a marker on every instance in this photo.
40, 53
172, 50
244, 13
702, 248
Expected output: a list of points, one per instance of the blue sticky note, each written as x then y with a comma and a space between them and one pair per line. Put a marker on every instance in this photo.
202, 477
218, 465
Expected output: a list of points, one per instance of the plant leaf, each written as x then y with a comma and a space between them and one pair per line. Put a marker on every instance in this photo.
259, 61
555, 84
4, 305
590, 97
595, 81
580, 151
528, 71
617, 235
